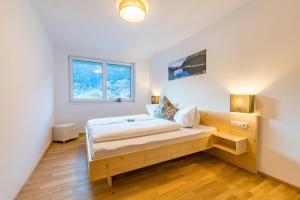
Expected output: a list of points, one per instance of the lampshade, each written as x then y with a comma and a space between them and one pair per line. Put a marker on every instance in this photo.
132, 10
155, 99
242, 103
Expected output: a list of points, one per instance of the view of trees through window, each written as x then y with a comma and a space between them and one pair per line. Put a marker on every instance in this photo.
88, 81
118, 81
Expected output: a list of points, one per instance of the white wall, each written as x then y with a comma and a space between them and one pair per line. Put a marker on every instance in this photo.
254, 50
80, 112
26, 93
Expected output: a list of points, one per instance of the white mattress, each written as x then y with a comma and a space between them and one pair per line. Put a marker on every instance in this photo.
117, 147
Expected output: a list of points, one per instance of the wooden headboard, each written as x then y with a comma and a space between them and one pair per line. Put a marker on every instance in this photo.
222, 121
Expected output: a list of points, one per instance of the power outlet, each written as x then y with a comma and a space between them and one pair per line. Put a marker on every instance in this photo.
239, 124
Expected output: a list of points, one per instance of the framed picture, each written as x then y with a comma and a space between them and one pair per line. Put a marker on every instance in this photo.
189, 66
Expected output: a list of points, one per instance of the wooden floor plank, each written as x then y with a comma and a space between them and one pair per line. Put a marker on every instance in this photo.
62, 175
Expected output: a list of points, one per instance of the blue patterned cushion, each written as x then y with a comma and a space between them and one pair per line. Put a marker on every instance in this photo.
165, 109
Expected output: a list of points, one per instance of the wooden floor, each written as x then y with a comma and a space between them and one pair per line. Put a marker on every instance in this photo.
62, 175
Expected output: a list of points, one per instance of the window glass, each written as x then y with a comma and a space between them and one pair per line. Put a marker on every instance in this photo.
118, 82
87, 80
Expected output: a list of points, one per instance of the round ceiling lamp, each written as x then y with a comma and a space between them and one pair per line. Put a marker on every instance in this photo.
132, 10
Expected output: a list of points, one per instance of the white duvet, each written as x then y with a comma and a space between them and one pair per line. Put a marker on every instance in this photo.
123, 130
118, 120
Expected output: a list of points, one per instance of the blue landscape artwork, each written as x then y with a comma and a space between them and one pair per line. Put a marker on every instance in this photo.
189, 66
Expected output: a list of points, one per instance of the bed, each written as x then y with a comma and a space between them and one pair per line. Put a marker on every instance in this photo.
112, 157
109, 158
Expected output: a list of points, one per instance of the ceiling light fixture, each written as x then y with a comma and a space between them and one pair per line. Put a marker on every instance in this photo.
132, 10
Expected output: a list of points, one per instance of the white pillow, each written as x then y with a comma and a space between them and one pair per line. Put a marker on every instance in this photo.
187, 117
151, 109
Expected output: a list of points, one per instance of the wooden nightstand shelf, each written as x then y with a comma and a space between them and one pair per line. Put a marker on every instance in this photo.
233, 144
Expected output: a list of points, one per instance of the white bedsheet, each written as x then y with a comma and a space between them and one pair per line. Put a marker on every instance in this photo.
111, 148
137, 128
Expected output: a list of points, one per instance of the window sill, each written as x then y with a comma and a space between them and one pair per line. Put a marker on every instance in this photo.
80, 102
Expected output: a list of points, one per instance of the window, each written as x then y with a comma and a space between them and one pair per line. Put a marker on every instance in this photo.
87, 80
118, 81
99, 80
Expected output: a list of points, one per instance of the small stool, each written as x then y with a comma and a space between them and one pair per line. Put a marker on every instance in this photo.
65, 132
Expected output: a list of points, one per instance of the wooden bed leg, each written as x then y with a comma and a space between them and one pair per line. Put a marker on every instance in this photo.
109, 181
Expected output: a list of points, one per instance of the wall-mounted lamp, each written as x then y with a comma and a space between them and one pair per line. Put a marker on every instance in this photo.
242, 103
155, 99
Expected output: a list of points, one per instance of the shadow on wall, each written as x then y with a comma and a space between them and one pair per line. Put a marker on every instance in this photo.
266, 107
278, 107
288, 171
194, 90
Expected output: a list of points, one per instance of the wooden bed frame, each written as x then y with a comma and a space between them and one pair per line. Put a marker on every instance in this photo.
110, 166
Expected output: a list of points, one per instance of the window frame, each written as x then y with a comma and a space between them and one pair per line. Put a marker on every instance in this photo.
104, 80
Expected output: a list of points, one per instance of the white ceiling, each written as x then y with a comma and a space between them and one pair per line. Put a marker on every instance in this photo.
95, 24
